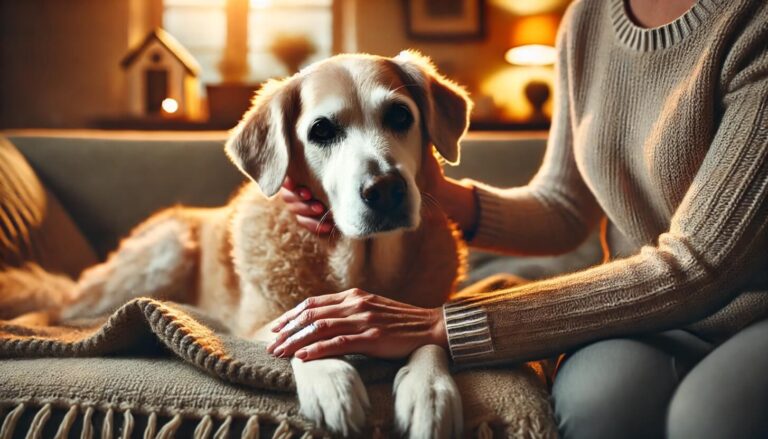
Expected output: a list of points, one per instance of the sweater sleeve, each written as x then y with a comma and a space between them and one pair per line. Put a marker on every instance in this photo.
716, 237
556, 211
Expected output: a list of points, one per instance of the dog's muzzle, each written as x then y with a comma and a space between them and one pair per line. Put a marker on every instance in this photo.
385, 196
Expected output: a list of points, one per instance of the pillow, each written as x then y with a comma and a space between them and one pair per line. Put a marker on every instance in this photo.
34, 227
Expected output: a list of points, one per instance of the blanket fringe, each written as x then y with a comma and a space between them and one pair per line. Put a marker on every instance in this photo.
111, 426
38, 422
204, 428
283, 431
170, 427
87, 432
66, 423
223, 431
149, 432
9, 424
251, 430
107, 427
127, 428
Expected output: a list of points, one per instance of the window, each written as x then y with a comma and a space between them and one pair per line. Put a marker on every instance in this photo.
200, 25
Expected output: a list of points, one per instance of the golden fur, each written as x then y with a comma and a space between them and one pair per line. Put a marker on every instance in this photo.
249, 261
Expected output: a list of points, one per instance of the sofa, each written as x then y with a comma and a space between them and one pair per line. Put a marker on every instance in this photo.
100, 184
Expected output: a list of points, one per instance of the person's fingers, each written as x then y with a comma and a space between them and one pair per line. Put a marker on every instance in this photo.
316, 207
314, 225
309, 303
289, 184
303, 193
361, 343
308, 316
301, 208
319, 330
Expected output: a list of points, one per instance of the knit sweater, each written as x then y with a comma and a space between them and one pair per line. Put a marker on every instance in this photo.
665, 132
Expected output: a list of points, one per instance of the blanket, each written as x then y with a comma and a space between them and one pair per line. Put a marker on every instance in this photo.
162, 367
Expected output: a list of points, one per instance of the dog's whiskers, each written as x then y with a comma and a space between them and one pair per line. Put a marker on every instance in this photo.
322, 218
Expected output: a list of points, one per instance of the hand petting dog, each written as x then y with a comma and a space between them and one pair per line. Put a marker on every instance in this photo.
355, 321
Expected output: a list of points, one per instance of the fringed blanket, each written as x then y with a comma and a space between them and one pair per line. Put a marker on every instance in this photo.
159, 369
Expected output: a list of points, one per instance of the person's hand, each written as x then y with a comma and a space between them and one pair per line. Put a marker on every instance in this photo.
456, 198
356, 322
310, 213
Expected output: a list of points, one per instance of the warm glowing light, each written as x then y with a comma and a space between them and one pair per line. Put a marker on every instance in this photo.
507, 89
170, 106
531, 55
260, 3
528, 7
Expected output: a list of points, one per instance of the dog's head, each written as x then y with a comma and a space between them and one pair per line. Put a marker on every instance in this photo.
360, 125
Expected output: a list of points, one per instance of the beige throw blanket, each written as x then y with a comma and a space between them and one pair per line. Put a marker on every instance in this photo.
509, 402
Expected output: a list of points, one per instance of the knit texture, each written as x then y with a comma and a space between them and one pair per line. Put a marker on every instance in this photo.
224, 383
665, 132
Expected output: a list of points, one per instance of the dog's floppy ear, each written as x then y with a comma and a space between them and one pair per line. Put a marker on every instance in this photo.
260, 144
444, 105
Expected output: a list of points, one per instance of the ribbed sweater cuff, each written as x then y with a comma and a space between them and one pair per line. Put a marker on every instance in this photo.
469, 335
490, 227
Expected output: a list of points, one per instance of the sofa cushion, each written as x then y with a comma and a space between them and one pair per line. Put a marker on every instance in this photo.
34, 227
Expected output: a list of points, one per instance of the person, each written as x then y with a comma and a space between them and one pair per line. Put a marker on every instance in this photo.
660, 125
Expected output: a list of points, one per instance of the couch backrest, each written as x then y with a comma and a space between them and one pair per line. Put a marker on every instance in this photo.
111, 181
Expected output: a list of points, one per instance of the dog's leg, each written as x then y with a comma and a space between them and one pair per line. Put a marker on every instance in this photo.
427, 400
332, 394
157, 260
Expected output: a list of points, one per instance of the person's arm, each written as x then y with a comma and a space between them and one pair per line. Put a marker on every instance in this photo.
716, 241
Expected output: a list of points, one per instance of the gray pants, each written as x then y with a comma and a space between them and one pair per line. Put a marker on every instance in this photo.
672, 384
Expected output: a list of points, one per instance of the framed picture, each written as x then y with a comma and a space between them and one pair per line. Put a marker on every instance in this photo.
445, 20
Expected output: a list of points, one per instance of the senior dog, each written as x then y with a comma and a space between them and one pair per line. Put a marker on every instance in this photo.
355, 130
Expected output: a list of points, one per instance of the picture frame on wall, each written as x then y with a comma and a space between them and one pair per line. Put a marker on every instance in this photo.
445, 20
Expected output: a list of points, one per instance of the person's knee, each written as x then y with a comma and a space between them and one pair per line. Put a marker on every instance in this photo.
709, 410
725, 395
613, 388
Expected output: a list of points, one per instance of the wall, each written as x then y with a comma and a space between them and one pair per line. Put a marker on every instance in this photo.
379, 27
60, 60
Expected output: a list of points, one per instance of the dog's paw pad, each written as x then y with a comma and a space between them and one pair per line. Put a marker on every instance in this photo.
332, 395
427, 405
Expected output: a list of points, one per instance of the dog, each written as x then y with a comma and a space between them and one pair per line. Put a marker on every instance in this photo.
355, 130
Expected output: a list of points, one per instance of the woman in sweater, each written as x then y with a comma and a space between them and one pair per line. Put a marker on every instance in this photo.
661, 126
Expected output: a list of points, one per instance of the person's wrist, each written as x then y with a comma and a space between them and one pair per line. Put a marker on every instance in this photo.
438, 335
459, 200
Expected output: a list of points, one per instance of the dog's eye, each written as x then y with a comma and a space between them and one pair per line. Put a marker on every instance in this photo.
398, 117
323, 131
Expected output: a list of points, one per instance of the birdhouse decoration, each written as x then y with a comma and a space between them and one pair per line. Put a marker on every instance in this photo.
162, 78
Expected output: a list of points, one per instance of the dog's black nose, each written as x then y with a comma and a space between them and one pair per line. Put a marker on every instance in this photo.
384, 192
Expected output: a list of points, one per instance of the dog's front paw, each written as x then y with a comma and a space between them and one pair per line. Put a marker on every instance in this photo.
331, 394
427, 400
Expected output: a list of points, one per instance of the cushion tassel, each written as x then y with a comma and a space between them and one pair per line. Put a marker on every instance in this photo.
307, 435
107, 427
87, 432
283, 431
149, 432
484, 431
9, 425
204, 428
38, 422
251, 430
223, 431
66, 423
127, 428
170, 427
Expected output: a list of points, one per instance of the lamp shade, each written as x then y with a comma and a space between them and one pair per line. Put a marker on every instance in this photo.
532, 40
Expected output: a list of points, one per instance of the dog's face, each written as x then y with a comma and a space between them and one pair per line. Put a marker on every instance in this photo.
361, 125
